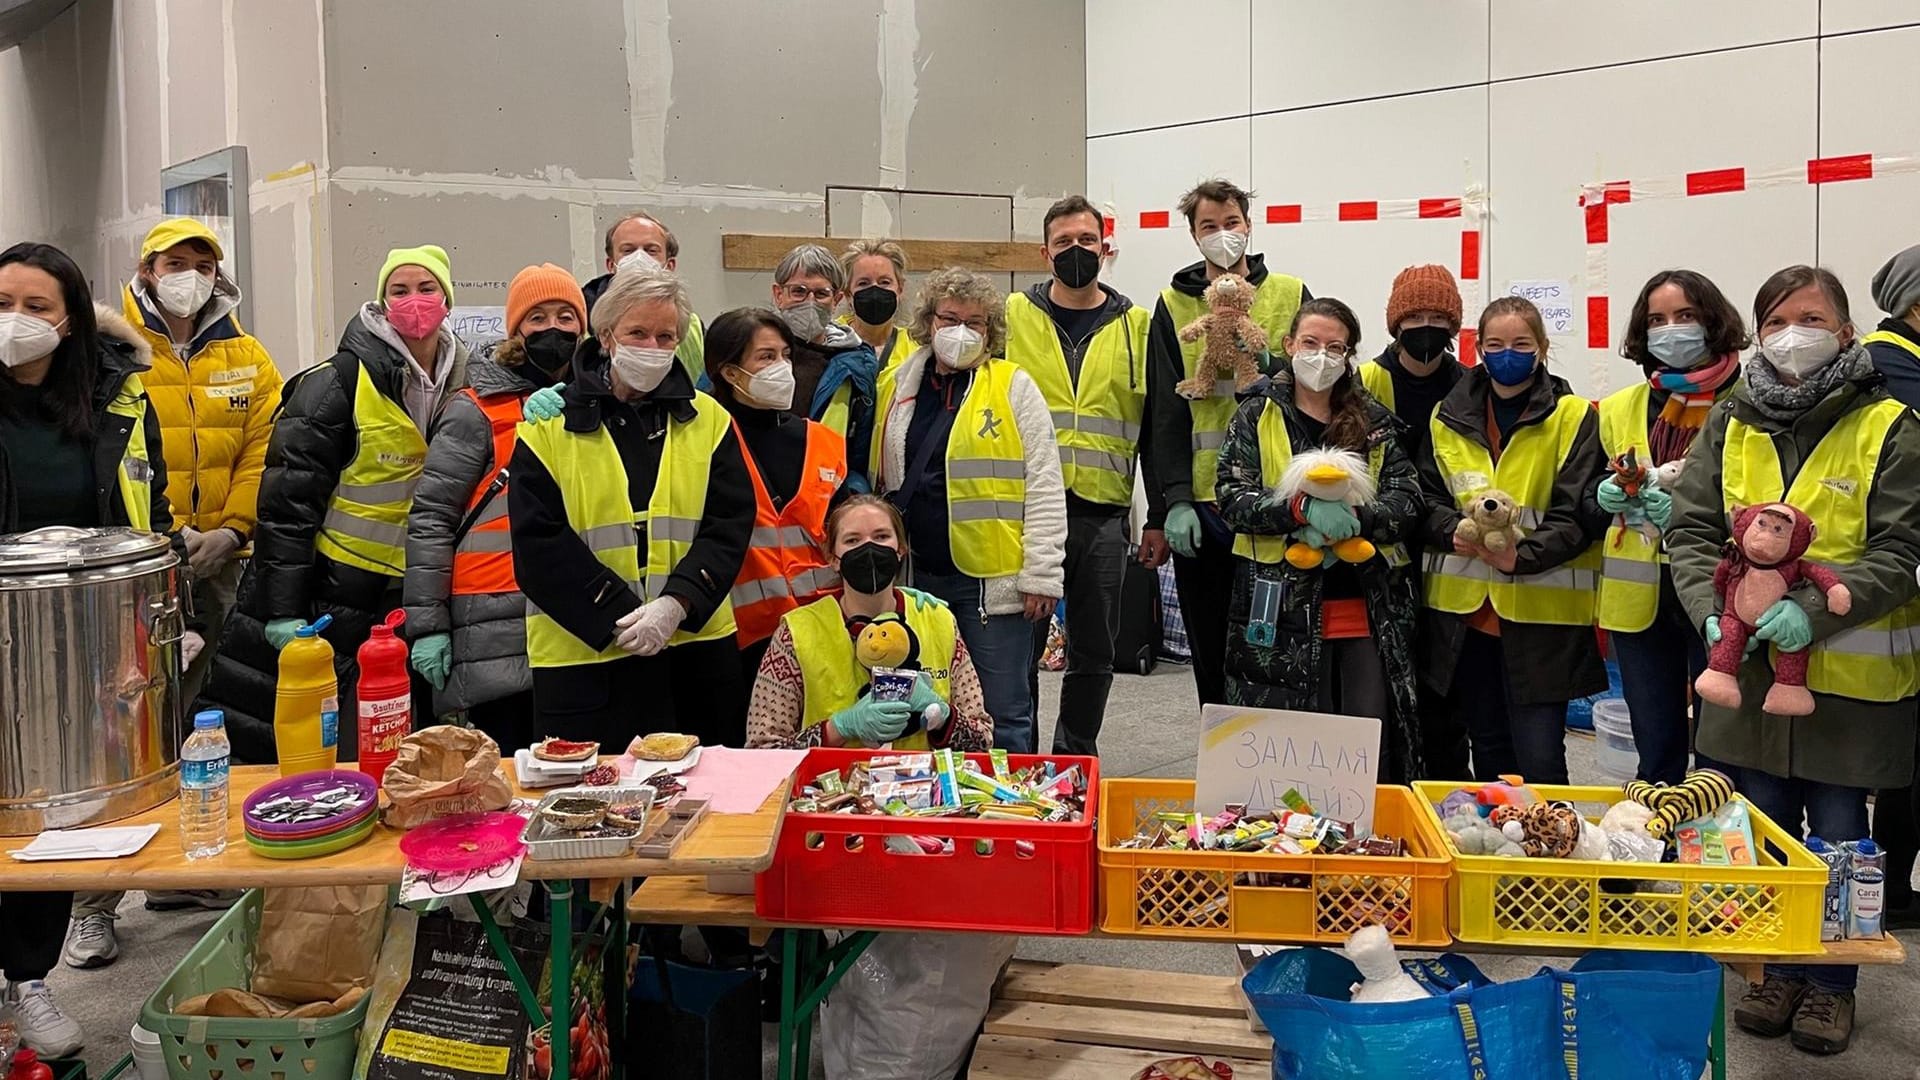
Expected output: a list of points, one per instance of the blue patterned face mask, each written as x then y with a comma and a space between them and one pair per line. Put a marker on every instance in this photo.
1509, 367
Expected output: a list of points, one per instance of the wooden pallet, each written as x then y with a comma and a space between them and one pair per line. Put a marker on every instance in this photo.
1083, 1022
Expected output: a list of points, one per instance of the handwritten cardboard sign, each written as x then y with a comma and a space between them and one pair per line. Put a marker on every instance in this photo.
1553, 298
1255, 756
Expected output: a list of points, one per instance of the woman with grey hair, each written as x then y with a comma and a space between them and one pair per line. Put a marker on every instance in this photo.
964, 446
631, 510
833, 370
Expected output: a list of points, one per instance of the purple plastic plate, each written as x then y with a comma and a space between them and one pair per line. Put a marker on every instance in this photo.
305, 786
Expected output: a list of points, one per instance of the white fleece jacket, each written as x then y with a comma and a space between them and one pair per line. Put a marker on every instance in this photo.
1045, 529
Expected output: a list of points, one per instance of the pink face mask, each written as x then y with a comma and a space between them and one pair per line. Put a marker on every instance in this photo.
417, 315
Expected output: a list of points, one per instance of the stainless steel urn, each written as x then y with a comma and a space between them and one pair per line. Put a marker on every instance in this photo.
90, 709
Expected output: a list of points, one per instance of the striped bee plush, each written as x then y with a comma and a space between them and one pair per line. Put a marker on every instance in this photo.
1701, 793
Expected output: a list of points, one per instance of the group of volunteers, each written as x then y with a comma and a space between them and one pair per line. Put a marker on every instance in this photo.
622, 518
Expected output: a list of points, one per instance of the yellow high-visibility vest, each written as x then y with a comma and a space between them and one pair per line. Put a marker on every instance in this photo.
1276, 450
1274, 305
1096, 418
366, 522
1888, 337
134, 477
986, 472
833, 677
898, 347
1378, 381
1460, 584
593, 484
1874, 661
1630, 561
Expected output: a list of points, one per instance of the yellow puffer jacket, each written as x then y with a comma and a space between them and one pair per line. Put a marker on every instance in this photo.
216, 412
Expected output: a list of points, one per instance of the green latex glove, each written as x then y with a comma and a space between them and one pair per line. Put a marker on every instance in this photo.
1786, 625
921, 599
544, 403
1183, 529
1336, 521
1611, 497
432, 657
872, 723
280, 631
927, 704
1712, 631
1659, 507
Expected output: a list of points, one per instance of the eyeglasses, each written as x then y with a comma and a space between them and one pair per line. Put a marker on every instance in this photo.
1333, 348
797, 293
945, 321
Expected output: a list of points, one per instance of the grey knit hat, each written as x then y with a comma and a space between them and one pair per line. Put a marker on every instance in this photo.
1896, 288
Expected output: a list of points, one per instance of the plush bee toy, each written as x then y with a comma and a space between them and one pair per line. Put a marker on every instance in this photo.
888, 642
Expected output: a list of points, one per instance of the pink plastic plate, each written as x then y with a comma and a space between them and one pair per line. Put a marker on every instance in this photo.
464, 842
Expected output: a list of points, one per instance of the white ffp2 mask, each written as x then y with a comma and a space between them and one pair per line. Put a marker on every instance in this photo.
1224, 248
25, 338
183, 293
958, 347
1317, 371
641, 367
1799, 351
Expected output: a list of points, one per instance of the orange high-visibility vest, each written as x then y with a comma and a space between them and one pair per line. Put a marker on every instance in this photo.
786, 563
483, 560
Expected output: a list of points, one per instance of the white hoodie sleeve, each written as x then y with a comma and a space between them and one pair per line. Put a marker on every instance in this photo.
1042, 572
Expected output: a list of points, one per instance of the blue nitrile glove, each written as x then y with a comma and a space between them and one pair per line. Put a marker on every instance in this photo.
1659, 507
872, 723
1611, 496
1786, 625
280, 631
432, 657
1336, 521
544, 403
1183, 529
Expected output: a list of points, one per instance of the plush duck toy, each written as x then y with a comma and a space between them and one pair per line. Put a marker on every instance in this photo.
1337, 476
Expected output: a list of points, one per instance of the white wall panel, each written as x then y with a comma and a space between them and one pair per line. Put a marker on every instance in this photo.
1862, 222
1314, 53
1845, 16
1535, 36
1150, 171
1157, 62
1553, 134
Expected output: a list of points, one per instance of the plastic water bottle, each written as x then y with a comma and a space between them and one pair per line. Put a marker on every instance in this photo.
203, 786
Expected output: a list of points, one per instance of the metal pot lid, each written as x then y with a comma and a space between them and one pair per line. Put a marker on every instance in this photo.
65, 547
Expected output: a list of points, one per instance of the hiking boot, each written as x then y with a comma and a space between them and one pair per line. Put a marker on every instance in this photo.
90, 941
1824, 1022
1768, 1009
51, 1033
179, 899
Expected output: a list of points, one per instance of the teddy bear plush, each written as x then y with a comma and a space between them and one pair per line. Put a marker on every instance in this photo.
1337, 476
1491, 521
1234, 341
1760, 563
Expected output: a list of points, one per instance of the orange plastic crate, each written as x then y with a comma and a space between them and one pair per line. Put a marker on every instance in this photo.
1194, 894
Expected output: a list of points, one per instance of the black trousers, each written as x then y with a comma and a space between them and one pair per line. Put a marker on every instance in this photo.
1896, 827
1507, 737
695, 688
1205, 584
36, 927
1096, 561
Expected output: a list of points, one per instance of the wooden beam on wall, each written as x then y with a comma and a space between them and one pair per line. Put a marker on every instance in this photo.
759, 251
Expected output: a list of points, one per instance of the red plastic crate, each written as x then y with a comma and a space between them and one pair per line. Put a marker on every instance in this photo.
840, 882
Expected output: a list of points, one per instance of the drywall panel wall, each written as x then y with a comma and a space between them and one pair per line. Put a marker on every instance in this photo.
195, 75
1534, 36
1147, 173
1862, 222
1846, 16
275, 304
136, 41
1311, 54
1151, 63
698, 225
281, 119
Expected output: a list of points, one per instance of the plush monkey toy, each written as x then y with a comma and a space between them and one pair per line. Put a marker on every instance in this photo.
1759, 565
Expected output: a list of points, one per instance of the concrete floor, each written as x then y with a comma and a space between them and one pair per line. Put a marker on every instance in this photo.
1148, 732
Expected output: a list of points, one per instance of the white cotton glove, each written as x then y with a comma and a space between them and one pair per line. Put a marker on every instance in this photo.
644, 630
208, 551
190, 645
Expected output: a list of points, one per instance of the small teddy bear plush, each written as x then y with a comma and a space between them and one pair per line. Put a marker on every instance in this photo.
1234, 341
1491, 521
1759, 565
1335, 476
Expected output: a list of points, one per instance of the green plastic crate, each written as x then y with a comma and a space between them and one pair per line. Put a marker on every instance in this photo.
224, 1048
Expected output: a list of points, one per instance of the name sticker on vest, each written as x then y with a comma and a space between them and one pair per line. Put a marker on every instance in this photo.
1845, 485
236, 374
139, 470
1466, 483
237, 389
829, 475
387, 457
989, 424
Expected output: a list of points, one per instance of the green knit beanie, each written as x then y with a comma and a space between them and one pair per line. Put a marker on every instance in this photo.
429, 257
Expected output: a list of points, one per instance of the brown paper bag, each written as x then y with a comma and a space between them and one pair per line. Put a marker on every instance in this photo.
318, 943
442, 770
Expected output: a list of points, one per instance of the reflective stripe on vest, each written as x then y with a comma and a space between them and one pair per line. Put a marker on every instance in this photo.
483, 560
1459, 584
833, 679
1874, 661
1274, 304
786, 561
1630, 560
1096, 415
593, 485
134, 477
366, 521
1378, 381
1276, 450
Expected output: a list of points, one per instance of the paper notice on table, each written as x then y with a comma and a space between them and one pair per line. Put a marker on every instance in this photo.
738, 781
417, 884
108, 842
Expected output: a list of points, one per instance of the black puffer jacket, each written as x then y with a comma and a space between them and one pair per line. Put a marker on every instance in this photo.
313, 441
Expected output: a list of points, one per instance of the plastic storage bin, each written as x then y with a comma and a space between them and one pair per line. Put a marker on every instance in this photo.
1196, 894
1028, 877
222, 1048
1773, 908
1613, 749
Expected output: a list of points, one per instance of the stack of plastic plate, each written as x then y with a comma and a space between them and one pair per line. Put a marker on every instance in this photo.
311, 814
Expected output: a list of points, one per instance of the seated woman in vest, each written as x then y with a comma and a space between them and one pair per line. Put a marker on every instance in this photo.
80, 446
964, 445
811, 690
346, 452
1353, 621
465, 615
1509, 634
1813, 425
631, 509
798, 468
1686, 338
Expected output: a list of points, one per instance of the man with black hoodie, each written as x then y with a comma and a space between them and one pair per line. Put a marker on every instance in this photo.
1187, 435
1085, 345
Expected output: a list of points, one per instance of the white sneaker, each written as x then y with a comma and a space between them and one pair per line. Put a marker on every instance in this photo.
51, 1033
90, 941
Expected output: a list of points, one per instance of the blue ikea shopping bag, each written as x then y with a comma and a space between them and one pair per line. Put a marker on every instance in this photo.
1618, 1015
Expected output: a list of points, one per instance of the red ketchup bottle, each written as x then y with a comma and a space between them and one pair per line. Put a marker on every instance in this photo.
28, 1066
386, 696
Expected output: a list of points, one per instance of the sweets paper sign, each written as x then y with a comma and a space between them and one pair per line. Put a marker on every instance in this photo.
1256, 756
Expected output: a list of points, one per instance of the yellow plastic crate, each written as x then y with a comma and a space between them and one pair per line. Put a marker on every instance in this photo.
1772, 908
1194, 894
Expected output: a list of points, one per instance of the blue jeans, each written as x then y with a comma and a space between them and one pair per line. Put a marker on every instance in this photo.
1657, 669
1001, 647
1831, 812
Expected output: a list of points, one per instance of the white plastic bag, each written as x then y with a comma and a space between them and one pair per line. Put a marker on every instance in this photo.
910, 1005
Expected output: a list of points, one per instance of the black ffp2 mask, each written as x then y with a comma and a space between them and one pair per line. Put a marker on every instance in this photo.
875, 305
551, 350
1077, 267
869, 568
1426, 343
